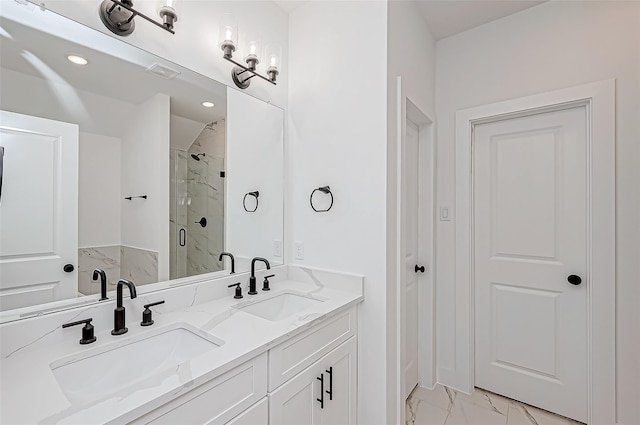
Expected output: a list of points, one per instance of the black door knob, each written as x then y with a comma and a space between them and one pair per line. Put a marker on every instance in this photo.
68, 268
419, 269
574, 279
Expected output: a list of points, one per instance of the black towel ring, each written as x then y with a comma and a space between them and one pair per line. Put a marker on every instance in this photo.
244, 200
323, 189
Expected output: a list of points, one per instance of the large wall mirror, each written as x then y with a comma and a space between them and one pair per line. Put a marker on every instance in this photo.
115, 159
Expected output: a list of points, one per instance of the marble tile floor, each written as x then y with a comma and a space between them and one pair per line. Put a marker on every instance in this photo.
444, 406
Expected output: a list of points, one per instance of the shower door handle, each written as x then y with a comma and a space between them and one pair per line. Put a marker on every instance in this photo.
1, 169
183, 237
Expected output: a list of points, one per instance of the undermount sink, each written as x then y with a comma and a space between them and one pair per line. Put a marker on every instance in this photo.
279, 307
106, 370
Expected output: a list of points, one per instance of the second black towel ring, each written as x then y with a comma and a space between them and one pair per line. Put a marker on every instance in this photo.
323, 189
244, 200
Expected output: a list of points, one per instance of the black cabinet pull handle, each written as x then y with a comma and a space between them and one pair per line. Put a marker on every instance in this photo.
574, 279
330, 390
419, 269
321, 399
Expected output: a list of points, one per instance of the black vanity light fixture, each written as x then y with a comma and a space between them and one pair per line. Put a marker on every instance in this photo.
242, 74
117, 16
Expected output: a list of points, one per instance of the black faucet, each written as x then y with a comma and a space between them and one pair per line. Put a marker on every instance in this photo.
252, 279
103, 283
233, 260
119, 327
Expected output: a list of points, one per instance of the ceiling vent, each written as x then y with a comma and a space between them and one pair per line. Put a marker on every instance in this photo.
163, 72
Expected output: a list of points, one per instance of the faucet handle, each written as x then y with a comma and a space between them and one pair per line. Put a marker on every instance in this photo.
87, 330
238, 286
265, 282
147, 319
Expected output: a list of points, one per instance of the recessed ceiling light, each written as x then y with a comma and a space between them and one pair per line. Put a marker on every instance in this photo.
208, 104
78, 60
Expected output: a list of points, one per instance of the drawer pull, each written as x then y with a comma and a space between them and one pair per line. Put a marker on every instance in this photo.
330, 390
321, 399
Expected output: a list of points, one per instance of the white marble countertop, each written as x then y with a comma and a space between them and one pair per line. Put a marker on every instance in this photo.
31, 394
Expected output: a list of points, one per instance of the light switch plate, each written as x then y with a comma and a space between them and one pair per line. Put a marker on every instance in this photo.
298, 250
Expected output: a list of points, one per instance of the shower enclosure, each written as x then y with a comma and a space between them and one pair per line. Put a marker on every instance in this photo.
196, 216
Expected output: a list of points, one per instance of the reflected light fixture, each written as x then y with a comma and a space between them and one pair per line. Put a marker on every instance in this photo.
208, 104
117, 16
241, 73
78, 60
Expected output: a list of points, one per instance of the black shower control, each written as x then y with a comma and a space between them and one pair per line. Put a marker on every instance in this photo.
68, 268
265, 282
238, 294
87, 330
147, 318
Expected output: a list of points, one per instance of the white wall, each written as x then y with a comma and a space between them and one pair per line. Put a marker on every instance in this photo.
195, 44
254, 162
99, 197
410, 56
550, 46
145, 171
183, 132
337, 137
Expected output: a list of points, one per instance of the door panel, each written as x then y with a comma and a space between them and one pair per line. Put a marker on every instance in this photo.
530, 224
34, 247
410, 198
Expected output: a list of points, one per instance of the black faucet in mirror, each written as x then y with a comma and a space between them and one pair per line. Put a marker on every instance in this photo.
233, 260
252, 279
103, 283
119, 327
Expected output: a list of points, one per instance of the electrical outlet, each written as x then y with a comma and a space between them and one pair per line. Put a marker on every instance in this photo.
277, 248
298, 248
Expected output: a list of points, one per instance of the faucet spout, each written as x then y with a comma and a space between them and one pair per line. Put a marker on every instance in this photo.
132, 290
252, 278
119, 321
103, 283
233, 260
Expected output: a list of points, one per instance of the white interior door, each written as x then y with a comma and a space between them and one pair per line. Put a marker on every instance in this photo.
410, 202
38, 210
530, 221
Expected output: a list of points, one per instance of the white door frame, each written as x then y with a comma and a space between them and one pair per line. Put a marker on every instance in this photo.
599, 99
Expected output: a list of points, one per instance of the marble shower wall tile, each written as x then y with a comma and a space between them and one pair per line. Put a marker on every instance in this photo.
106, 258
138, 265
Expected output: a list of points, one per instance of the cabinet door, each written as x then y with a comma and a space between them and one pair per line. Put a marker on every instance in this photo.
340, 375
296, 401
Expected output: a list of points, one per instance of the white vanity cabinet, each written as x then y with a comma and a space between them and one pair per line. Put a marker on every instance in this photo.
324, 393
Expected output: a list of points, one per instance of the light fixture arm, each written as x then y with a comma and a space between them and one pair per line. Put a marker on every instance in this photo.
243, 68
106, 10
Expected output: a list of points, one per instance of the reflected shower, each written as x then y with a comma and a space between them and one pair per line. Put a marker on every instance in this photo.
197, 156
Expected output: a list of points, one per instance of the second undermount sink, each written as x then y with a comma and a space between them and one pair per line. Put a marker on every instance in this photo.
280, 306
111, 369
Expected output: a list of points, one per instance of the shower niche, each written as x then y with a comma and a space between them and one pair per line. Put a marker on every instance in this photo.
196, 197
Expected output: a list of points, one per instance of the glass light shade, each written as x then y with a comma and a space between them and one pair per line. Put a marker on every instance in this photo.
167, 3
228, 30
273, 56
253, 50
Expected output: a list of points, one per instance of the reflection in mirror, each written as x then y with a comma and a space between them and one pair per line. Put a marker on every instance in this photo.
118, 160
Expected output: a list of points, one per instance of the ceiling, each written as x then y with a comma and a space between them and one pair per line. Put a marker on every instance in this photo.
449, 17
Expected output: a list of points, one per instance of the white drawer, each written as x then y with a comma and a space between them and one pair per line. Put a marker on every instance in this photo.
294, 355
258, 414
217, 401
